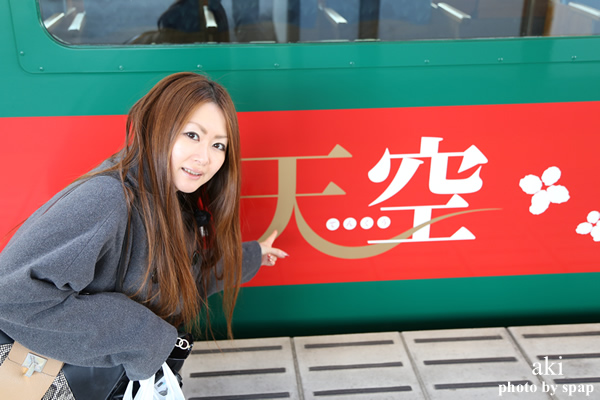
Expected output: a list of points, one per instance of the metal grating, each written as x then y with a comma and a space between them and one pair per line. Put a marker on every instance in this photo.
470, 364
251, 369
362, 367
459, 364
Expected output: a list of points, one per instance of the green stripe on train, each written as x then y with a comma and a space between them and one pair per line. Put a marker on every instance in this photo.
300, 310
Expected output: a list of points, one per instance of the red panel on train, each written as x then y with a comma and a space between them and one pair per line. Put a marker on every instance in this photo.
433, 192
375, 194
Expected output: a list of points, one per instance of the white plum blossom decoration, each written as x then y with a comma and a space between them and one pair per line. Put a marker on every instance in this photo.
541, 198
591, 226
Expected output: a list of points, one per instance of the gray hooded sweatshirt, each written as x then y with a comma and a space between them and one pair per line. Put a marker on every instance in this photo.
58, 276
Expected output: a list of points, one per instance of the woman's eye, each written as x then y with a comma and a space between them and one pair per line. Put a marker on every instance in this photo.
192, 135
220, 146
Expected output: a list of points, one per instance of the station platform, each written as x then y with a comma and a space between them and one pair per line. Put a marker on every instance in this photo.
526, 362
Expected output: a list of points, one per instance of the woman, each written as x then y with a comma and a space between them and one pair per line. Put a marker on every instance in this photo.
170, 198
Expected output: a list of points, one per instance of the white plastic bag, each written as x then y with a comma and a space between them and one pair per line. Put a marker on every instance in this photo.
167, 388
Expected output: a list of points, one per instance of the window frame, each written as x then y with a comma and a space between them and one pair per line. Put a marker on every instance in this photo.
40, 53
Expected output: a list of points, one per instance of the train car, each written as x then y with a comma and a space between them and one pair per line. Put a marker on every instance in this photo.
427, 164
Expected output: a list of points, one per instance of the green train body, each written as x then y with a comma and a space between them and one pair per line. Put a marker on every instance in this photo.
323, 109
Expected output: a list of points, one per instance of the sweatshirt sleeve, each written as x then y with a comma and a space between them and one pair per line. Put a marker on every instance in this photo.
53, 260
251, 259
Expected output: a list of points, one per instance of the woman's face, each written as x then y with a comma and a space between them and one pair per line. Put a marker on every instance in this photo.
200, 148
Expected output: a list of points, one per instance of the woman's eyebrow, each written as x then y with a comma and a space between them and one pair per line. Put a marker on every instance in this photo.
205, 131
199, 126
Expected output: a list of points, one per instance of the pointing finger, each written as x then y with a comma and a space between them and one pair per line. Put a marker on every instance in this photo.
269, 241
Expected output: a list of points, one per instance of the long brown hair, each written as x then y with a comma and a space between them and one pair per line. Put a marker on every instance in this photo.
170, 287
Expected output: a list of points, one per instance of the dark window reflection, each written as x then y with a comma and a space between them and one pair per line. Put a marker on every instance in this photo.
289, 21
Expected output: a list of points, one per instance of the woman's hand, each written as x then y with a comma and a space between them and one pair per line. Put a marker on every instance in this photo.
269, 253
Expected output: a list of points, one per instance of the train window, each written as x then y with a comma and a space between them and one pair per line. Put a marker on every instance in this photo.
289, 21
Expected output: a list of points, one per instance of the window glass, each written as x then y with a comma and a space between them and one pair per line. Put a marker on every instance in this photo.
289, 21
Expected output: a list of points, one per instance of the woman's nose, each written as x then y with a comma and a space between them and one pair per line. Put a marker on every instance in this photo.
201, 154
